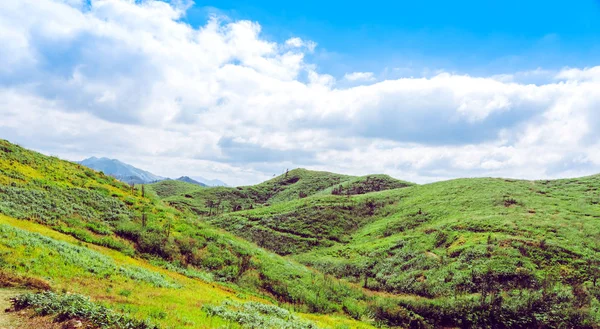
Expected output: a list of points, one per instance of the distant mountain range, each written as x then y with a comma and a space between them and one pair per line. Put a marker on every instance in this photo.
189, 180
132, 175
121, 171
209, 182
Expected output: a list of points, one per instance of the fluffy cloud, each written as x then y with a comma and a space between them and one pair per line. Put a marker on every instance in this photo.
359, 76
129, 79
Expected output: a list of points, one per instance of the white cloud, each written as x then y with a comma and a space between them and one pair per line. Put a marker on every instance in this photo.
575, 74
129, 80
359, 76
299, 43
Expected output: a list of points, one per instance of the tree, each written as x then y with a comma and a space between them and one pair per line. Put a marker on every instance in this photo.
217, 206
593, 270
210, 204
143, 191
368, 269
168, 229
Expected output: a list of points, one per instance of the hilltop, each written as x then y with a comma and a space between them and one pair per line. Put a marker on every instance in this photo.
293, 185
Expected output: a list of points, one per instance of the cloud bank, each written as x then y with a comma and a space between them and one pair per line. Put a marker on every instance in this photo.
131, 80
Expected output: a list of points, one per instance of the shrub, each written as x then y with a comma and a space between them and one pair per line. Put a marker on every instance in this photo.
73, 306
257, 315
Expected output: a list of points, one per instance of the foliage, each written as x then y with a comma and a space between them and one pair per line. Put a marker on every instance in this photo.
84, 259
256, 315
74, 306
485, 253
294, 184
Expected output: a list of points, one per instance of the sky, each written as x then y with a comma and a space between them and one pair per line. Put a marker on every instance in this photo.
423, 91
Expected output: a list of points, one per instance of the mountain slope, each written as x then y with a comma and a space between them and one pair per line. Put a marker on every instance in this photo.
121, 171
433, 239
209, 182
186, 179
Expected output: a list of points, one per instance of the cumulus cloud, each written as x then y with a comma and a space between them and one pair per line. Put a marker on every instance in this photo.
129, 79
575, 74
359, 76
299, 43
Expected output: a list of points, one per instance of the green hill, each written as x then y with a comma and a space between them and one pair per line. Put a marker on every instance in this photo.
507, 240
468, 253
432, 240
293, 185
72, 213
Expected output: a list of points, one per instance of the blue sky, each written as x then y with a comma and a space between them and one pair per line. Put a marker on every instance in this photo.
422, 91
474, 37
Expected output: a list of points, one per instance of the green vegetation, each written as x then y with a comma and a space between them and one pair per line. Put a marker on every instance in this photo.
73, 306
257, 315
294, 184
301, 225
74, 200
471, 253
460, 248
86, 261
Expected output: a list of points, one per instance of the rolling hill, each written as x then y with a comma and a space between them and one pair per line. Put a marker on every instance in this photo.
507, 240
303, 250
81, 231
295, 184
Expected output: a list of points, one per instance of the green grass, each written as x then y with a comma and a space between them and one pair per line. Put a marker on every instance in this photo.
478, 253
463, 238
129, 286
295, 184
75, 200
73, 306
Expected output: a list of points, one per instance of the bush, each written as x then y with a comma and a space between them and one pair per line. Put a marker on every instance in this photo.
389, 312
353, 309
74, 306
257, 315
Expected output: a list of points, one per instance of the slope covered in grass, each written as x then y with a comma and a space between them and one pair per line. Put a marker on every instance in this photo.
98, 209
497, 240
293, 185
443, 238
471, 253
131, 286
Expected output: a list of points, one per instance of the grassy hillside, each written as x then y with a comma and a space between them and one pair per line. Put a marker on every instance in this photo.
469, 253
444, 238
293, 185
99, 210
300, 225
513, 247
131, 286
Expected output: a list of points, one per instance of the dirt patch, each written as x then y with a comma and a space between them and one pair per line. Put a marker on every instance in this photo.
9, 280
8, 320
